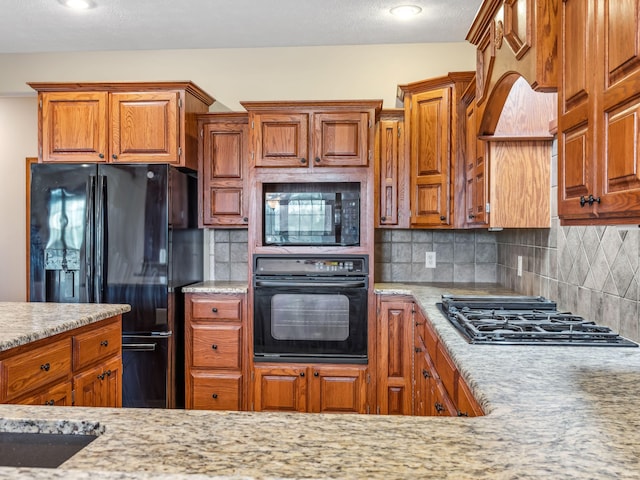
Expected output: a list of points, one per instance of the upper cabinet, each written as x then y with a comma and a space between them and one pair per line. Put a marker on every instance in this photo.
391, 172
222, 169
120, 122
312, 134
598, 131
435, 119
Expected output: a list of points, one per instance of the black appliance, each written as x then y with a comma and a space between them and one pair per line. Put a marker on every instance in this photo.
311, 214
121, 234
310, 308
523, 320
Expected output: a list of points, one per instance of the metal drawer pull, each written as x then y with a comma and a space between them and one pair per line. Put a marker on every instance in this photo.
104, 343
45, 367
214, 346
214, 310
215, 395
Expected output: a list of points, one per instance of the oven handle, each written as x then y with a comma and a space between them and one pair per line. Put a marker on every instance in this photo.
341, 284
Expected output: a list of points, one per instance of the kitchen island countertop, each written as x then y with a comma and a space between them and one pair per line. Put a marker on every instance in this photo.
25, 322
552, 412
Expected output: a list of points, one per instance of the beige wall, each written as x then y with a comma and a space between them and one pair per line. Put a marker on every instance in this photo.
229, 75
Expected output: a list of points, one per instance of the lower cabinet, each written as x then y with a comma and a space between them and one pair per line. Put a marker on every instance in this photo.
216, 356
322, 388
80, 367
416, 375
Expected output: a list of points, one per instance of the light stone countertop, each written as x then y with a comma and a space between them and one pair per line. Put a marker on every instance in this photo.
24, 322
552, 413
211, 286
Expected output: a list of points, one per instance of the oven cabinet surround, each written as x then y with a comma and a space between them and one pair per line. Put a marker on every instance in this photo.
312, 134
81, 367
599, 77
435, 142
391, 171
508, 173
120, 122
313, 388
416, 375
222, 170
216, 353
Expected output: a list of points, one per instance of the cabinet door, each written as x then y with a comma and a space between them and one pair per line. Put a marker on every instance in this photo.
58, 395
341, 139
430, 157
338, 389
144, 127
74, 126
224, 167
442, 404
216, 391
618, 173
280, 139
395, 342
578, 63
467, 404
280, 388
390, 148
100, 386
476, 172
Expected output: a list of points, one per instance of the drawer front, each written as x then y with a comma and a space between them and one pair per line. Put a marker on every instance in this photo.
217, 346
96, 345
216, 391
447, 371
229, 309
27, 371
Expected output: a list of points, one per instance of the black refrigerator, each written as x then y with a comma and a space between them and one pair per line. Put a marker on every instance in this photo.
121, 234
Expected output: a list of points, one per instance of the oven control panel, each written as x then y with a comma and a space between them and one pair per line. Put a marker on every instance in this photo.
310, 265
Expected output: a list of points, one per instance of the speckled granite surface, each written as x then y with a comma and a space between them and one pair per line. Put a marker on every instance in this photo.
216, 287
553, 413
22, 322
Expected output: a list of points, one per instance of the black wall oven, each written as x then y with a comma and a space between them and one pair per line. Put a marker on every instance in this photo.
310, 308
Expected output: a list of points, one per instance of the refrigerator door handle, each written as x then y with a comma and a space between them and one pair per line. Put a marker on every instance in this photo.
89, 239
100, 225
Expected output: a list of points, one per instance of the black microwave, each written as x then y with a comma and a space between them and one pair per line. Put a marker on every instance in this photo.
311, 214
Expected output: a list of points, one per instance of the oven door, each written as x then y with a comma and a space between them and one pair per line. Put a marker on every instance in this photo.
310, 320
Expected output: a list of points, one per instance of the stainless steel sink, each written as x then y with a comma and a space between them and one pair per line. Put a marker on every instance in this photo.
43, 450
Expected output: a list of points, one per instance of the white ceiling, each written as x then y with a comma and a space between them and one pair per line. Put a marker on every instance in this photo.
47, 26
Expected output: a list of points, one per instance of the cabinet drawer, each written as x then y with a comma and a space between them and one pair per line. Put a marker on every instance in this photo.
447, 371
96, 345
59, 395
217, 346
223, 309
27, 371
217, 391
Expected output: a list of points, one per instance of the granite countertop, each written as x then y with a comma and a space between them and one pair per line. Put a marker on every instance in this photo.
552, 412
23, 322
211, 286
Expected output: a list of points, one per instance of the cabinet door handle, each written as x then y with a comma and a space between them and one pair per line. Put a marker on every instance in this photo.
101, 155
108, 373
443, 218
214, 347
245, 219
317, 159
462, 414
439, 407
214, 396
45, 367
302, 374
316, 374
425, 373
104, 343
50, 402
303, 160
114, 156
214, 310
383, 219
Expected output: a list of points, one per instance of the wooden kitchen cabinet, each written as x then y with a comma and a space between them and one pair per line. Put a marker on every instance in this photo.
321, 388
65, 369
435, 119
222, 170
395, 354
312, 134
216, 353
391, 171
599, 77
120, 122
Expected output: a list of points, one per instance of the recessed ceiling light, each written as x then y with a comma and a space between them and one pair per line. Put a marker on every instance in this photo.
78, 4
405, 11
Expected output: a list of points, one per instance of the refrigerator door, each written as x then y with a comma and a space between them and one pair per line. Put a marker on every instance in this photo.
133, 231
61, 233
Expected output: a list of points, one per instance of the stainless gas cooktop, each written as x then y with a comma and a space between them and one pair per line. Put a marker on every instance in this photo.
524, 320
